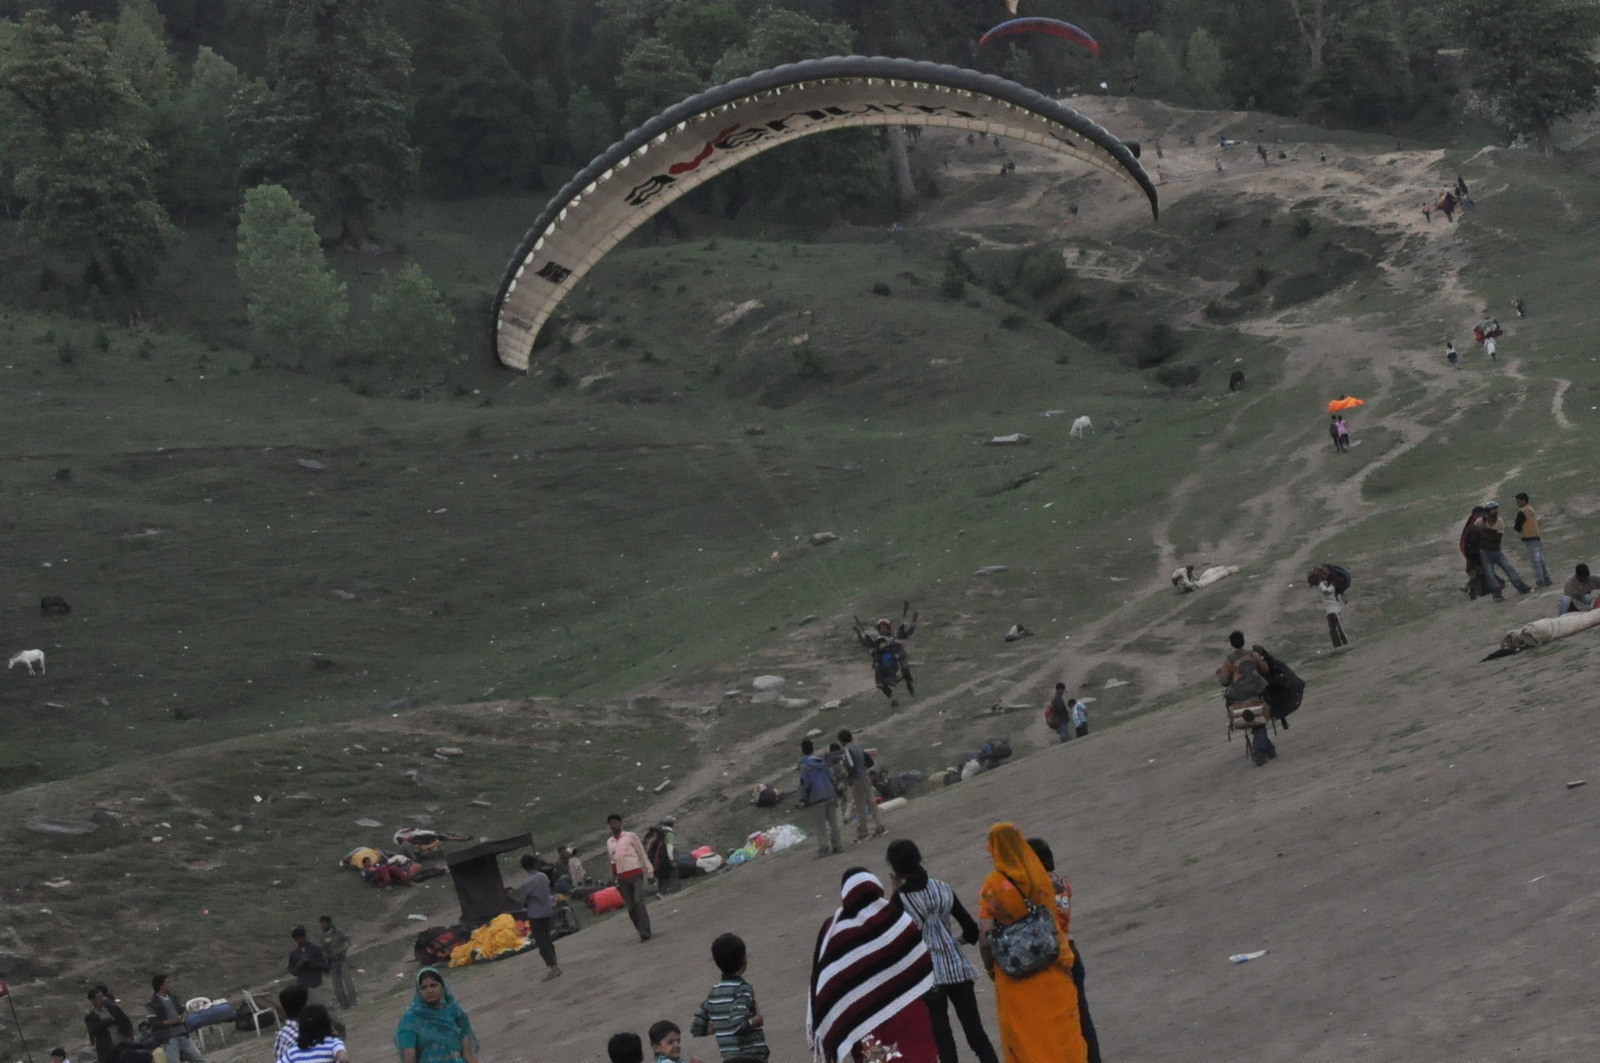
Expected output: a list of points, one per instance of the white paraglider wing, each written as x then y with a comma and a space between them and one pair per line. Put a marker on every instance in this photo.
695, 140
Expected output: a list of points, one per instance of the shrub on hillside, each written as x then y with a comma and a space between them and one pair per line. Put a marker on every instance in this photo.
292, 299
410, 329
1177, 376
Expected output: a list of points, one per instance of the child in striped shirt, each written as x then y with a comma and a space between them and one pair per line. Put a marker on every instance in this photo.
730, 1011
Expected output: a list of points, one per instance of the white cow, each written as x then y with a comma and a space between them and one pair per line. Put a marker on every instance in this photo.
1080, 426
28, 658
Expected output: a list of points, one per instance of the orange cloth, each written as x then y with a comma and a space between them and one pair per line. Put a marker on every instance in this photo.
1039, 1020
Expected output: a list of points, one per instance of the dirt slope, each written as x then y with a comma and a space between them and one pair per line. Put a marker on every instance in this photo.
1414, 861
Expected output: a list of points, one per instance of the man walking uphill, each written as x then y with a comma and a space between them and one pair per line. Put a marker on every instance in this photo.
1244, 677
631, 866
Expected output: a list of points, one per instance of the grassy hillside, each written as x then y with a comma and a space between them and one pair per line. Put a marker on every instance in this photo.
295, 587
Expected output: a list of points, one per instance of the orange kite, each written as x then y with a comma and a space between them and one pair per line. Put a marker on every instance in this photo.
1345, 403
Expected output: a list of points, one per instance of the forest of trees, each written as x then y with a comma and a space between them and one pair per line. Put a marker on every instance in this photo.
120, 119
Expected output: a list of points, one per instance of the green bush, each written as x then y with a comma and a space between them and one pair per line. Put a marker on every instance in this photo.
1177, 376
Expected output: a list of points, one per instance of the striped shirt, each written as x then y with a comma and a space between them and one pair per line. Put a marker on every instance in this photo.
323, 1051
931, 907
727, 1013
288, 1034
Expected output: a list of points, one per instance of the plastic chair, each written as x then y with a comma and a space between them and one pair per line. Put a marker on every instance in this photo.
248, 1006
198, 1004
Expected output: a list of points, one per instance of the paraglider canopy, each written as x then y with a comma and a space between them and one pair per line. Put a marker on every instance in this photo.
710, 132
1347, 402
1053, 26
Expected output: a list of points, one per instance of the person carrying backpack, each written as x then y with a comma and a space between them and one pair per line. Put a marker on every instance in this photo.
1058, 714
1243, 675
818, 791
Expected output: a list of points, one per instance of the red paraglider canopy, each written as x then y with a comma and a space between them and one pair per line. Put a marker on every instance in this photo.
1053, 26
1346, 403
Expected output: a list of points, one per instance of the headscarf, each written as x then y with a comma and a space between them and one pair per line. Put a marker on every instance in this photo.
436, 1032
1017, 863
870, 963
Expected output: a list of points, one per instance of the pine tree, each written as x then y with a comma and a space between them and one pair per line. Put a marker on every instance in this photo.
332, 128
294, 303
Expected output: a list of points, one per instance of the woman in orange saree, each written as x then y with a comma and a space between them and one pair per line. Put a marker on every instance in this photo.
1040, 1014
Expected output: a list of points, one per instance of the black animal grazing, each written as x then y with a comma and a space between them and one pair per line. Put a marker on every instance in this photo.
1236, 381
53, 605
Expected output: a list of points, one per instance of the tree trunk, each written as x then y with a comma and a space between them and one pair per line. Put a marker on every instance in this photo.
1541, 133
353, 236
1320, 28
900, 166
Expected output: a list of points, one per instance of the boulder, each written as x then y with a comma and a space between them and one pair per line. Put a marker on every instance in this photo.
822, 538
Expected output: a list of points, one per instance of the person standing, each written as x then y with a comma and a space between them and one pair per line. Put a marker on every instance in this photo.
1244, 678
932, 903
291, 1001
630, 865
817, 791
539, 906
308, 963
1041, 1014
1333, 430
1063, 891
315, 1043
1527, 526
870, 977
1058, 714
165, 1014
1080, 717
108, 1025
336, 947
1450, 354
1490, 535
1332, 606
1344, 433
667, 873
434, 1028
1488, 346
861, 796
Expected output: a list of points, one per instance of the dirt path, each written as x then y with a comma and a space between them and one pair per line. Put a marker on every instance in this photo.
1416, 862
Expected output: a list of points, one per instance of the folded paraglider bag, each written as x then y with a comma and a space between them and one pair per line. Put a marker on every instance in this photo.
709, 863
606, 900
216, 1014
687, 867
1247, 714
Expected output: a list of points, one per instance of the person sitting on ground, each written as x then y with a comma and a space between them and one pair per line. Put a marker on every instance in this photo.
1577, 594
1017, 632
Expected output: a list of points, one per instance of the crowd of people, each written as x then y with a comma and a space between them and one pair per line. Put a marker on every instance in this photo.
888, 968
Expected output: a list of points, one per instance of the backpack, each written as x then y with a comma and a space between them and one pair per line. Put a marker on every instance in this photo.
655, 847
1339, 576
1285, 690
1052, 718
839, 773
